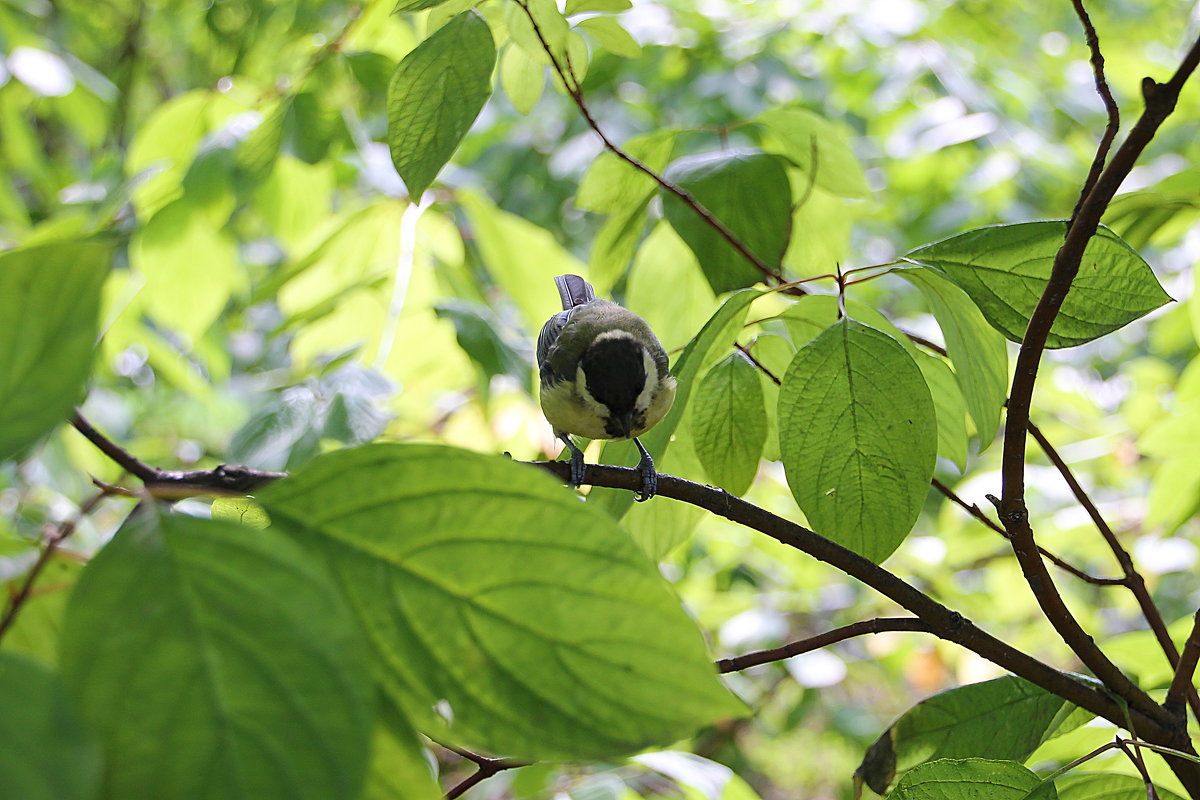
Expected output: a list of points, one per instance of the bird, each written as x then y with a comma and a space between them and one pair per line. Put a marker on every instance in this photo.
603, 375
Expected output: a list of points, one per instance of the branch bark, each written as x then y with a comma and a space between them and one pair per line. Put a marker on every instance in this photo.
878, 625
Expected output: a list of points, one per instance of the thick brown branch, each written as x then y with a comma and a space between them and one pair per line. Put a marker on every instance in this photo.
1181, 684
1160, 102
942, 621
573, 89
878, 625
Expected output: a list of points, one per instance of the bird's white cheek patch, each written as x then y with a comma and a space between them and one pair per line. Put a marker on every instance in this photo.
660, 404
650, 388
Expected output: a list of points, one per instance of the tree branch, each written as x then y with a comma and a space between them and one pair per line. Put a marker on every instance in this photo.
1181, 683
222, 478
485, 768
878, 625
1110, 105
1160, 100
942, 621
53, 542
1133, 579
575, 91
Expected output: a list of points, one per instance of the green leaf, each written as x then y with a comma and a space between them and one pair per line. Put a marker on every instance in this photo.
49, 309
950, 407
858, 433
774, 353
800, 134
37, 629
612, 37
611, 185
216, 661
978, 353
490, 626
552, 27
408, 6
1106, 786
611, 6
47, 753
1006, 718
972, 779
729, 423
190, 266
399, 769
615, 245
748, 191
523, 77
480, 335
1004, 268
720, 329
435, 94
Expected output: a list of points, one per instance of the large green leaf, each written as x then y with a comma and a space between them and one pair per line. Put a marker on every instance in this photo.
612, 185
1006, 718
216, 661
858, 434
49, 308
972, 779
505, 615
435, 94
749, 192
815, 145
978, 352
729, 423
1004, 268
46, 753
950, 407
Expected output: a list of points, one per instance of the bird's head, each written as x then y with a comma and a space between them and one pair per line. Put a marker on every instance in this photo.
619, 374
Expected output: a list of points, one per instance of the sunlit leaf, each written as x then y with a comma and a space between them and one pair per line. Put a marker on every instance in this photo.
486, 620
49, 307
436, 93
523, 77
1006, 718
215, 661
729, 423
47, 753
1106, 786
978, 353
612, 36
611, 6
858, 435
611, 184
975, 778
950, 407
408, 6
815, 145
746, 190
1004, 268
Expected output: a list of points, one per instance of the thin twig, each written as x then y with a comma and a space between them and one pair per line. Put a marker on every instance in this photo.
1160, 100
975, 511
53, 542
485, 768
1185, 670
878, 625
224, 478
1139, 763
761, 367
576, 93
1133, 578
1110, 105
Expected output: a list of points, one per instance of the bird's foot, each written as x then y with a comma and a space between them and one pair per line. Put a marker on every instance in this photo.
648, 473
578, 469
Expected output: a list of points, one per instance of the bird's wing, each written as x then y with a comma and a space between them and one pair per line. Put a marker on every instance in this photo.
548, 338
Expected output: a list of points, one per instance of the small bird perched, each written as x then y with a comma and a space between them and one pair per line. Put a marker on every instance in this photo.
603, 375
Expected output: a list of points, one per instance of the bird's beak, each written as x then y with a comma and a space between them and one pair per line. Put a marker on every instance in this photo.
627, 425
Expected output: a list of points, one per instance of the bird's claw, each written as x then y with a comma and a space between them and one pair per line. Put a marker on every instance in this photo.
649, 475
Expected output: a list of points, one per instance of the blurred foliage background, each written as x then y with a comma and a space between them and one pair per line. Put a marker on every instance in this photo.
280, 295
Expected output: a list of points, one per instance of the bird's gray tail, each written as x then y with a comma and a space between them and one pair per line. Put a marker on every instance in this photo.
574, 291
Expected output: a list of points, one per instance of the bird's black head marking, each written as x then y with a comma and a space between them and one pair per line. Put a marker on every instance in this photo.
615, 370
